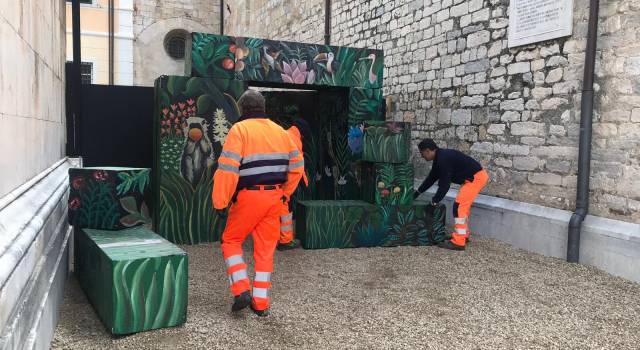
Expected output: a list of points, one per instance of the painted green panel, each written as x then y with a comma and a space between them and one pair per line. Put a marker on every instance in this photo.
193, 117
109, 198
386, 142
388, 183
349, 224
261, 60
364, 105
135, 279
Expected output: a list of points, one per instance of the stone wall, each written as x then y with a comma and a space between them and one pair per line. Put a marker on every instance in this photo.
448, 70
32, 112
153, 20
293, 20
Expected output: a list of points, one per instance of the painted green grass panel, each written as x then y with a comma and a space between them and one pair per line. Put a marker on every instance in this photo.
350, 224
262, 60
109, 198
386, 142
136, 280
388, 183
193, 117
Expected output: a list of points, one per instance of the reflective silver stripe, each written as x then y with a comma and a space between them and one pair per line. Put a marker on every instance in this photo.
260, 293
263, 276
296, 165
263, 170
238, 276
294, 154
230, 168
286, 218
264, 156
231, 155
461, 231
286, 228
234, 260
461, 221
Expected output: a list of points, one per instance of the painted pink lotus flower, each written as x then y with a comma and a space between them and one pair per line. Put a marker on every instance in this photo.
395, 127
77, 183
74, 204
100, 175
296, 73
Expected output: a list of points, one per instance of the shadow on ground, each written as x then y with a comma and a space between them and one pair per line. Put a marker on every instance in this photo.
490, 297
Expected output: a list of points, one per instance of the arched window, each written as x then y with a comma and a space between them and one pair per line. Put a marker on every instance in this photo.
175, 42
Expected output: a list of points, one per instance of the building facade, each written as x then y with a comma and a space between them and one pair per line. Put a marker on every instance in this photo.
149, 37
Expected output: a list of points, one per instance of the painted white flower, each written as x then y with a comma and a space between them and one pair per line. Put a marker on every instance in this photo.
221, 126
327, 171
342, 181
318, 177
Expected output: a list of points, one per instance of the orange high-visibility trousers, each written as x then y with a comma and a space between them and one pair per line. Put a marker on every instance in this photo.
462, 206
286, 224
256, 211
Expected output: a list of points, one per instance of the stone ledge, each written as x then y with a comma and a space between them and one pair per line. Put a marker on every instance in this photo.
610, 245
34, 236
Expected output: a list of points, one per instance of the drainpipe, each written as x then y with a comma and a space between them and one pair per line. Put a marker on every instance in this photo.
221, 17
584, 150
327, 22
76, 86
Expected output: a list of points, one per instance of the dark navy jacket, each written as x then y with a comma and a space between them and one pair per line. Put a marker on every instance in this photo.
449, 166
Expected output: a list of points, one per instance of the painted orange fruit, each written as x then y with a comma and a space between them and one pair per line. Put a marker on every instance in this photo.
227, 64
232, 48
195, 134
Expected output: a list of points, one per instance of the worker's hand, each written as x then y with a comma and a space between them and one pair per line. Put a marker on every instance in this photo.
416, 194
284, 199
222, 212
434, 204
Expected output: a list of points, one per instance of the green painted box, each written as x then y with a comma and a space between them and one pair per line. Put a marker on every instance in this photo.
386, 142
109, 198
387, 183
135, 279
350, 224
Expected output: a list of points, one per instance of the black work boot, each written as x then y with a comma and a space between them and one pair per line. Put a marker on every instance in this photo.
450, 245
241, 301
289, 246
261, 313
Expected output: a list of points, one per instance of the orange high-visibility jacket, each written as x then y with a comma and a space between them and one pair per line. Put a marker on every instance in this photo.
294, 133
256, 151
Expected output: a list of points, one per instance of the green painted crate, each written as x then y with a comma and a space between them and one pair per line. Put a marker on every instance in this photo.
387, 183
135, 279
350, 224
109, 198
386, 142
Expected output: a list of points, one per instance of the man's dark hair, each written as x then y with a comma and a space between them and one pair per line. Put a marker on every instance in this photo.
427, 144
303, 126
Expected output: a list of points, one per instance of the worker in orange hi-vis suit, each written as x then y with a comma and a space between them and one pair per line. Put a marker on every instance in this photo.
297, 132
258, 170
449, 166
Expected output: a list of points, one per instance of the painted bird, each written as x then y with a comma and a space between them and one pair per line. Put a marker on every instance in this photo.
332, 65
269, 60
196, 152
373, 69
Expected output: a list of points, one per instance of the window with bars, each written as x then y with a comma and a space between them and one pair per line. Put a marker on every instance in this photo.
174, 43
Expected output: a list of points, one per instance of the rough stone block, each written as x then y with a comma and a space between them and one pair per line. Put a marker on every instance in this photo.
461, 117
472, 101
387, 142
478, 89
496, 129
478, 38
518, 68
477, 66
526, 163
351, 224
512, 105
545, 179
135, 279
109, 198
527, 129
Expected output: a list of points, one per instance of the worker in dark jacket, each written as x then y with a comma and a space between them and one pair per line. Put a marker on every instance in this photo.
453, 166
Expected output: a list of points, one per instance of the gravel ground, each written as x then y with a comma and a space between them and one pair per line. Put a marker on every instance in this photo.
490, 297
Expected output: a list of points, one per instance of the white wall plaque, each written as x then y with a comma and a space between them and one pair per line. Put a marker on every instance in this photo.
532, 21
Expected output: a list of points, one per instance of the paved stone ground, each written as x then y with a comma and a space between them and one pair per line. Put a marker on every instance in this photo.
490, 297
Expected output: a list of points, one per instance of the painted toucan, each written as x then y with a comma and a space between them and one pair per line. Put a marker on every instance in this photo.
374, 68
332, 65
